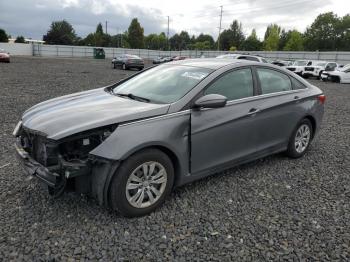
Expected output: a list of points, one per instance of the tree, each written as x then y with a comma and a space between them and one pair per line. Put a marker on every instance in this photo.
271, 27
60, 33
3, 36
322, 34
135, 34
252, 43
206, 38
272, 36
343, 43
20, 39
205, 45
232, 37
295, 42
284, 36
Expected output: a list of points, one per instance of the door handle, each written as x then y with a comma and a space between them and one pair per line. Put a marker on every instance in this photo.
253, 111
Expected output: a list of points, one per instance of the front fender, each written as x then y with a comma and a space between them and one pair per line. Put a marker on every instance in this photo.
169, 131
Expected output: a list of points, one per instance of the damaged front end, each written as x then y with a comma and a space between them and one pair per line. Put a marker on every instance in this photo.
64, 164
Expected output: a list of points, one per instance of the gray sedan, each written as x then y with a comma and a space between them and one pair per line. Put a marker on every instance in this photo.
129, 144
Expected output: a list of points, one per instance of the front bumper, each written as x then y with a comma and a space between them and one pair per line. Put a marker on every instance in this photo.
33, 168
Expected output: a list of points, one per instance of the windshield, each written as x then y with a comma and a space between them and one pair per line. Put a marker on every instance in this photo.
163, 84
346, 67
300, 63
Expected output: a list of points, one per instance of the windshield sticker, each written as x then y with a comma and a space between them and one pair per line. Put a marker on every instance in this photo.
194, 75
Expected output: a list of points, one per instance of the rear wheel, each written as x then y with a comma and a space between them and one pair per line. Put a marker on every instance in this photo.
141, 183
300, 139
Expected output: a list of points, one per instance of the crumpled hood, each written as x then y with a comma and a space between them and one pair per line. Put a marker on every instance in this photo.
67, 115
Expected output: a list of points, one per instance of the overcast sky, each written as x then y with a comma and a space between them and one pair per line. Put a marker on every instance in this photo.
32, 18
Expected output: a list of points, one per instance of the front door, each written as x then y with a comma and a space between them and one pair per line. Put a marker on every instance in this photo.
223, 135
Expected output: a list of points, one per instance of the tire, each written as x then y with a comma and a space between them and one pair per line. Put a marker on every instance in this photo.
140, 68
128, 202
114, 66
305, 76
295, 149
319, 75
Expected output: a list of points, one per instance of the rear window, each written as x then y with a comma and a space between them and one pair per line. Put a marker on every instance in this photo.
272, 81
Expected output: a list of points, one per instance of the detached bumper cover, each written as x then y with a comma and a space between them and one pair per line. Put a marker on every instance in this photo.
33, 168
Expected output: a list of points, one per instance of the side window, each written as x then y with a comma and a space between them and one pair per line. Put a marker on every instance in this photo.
309, 63
264, 60
272, 81
297, 84
234, 85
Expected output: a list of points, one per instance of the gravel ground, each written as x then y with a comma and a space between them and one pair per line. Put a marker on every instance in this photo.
272, 209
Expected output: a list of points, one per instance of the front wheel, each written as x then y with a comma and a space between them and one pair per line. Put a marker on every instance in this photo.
141, 183
300, 139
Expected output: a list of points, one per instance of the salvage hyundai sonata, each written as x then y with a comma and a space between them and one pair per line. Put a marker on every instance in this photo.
129, 144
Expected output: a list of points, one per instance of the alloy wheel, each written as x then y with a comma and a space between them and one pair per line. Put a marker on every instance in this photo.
302, 138
146, 184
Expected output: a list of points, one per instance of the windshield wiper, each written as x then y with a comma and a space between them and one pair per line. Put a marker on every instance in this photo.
134, 97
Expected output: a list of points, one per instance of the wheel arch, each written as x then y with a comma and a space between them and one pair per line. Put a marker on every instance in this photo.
175, 160
313, 123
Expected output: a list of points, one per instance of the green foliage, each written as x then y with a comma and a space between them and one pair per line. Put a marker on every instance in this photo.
328, 32
180, 41
272, 36
156, 42
295, 42
60, 33
20, 39
233, 48
3, 36
252, 43
232, 37
205, 45
135, 34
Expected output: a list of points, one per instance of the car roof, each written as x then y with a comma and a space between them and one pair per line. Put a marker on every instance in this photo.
210, 63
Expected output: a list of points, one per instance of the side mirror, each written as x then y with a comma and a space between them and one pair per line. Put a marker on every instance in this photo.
211, 101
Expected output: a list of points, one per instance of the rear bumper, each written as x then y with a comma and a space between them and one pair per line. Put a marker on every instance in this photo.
33, 168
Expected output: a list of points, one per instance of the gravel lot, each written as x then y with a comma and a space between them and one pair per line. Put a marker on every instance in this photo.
272, 209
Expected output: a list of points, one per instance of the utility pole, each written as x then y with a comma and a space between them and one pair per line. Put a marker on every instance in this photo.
220, 28
106, 26
168, 35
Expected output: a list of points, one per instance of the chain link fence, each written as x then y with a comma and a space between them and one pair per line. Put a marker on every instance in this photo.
87, 51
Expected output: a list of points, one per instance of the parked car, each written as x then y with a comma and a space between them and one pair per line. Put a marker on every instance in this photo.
282, 63
318, 68
299, 65
244, 57
129, 144
340, 75
162, 59
128, 61
177, 58
4, 56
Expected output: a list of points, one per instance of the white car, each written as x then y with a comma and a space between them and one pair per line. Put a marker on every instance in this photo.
299, 65
341, 75
318, 68
244, 57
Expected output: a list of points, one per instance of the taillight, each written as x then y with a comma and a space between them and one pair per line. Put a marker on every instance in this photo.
321, 98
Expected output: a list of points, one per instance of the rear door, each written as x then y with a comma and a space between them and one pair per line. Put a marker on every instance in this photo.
222, 135
279, 108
